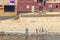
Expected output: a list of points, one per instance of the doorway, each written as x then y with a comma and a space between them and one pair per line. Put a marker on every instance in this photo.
40, 8
33, 8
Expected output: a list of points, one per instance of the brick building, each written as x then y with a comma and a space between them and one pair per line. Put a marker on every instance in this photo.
38, 5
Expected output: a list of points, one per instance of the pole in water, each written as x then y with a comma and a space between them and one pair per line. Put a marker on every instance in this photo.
26, 30
36, 34
26, 36
36, 31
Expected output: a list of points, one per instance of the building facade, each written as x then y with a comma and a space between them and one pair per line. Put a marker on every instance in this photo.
53, 5
38, 5
7, 7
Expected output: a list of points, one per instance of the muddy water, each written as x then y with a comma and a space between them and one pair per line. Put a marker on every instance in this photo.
31, 37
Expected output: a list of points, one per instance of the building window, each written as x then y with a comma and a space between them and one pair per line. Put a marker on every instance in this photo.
54, 0
56, 6
9, 8
39, 0
50, 6
27, 6
50, 0
20, 6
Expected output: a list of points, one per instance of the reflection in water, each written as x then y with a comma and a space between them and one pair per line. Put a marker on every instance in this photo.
26, 37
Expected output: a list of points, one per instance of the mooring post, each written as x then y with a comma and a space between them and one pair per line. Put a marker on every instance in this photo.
26, 34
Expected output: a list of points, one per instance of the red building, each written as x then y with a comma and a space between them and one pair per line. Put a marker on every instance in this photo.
37, 5
53, 6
